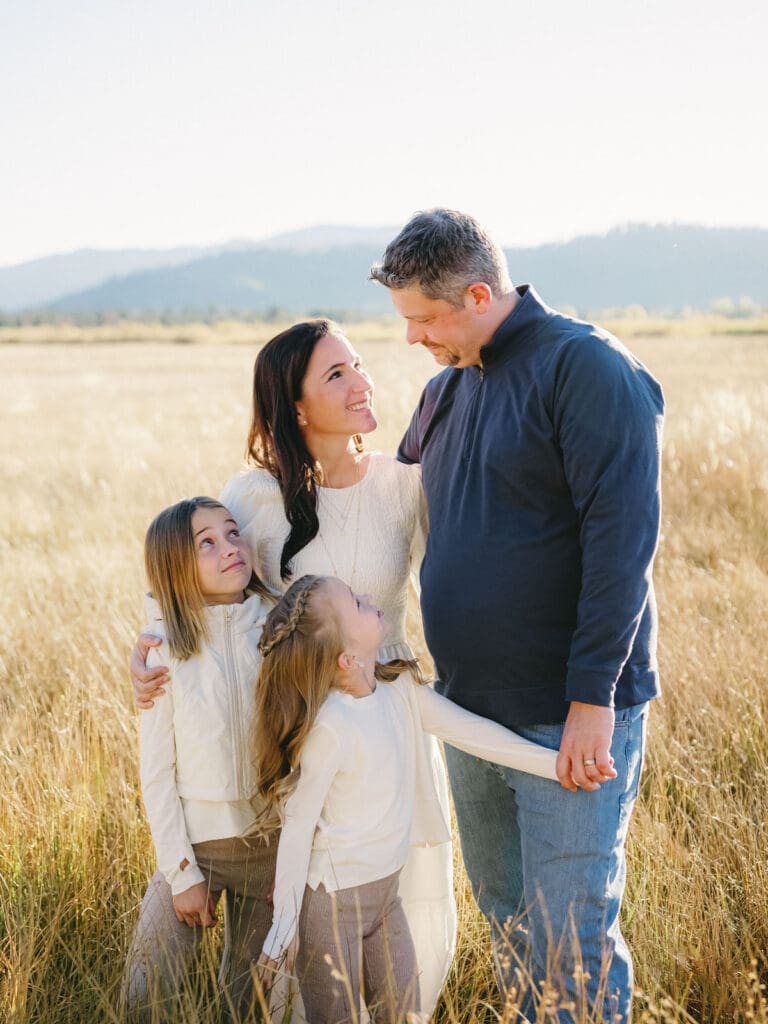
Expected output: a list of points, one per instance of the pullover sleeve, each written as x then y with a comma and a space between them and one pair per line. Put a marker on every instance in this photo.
608, 418
409, 450
480, 736
318, 764
157, 769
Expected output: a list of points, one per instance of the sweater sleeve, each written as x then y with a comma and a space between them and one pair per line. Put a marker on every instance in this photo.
319, 762
480, 736
414, 511
239, 497
419, 543
608, 416
157, 768
253, 497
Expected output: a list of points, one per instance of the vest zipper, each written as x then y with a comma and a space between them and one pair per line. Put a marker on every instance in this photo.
234, 702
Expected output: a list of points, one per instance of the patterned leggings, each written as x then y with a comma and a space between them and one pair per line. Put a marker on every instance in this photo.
355, 942
162, 948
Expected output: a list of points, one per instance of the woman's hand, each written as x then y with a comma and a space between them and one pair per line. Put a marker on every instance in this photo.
196, 906
148, 683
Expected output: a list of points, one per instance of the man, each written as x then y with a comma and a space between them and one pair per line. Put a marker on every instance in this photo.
540, 448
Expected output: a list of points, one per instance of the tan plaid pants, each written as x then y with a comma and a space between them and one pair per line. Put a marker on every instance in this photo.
163, 948
356, 942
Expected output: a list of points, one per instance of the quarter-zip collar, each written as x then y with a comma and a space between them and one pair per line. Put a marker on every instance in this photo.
529, 314
238, 617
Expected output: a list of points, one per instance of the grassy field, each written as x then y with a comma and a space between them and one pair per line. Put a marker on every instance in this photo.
95, 438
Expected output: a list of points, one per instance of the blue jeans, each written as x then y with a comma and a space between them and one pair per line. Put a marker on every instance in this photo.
548, 867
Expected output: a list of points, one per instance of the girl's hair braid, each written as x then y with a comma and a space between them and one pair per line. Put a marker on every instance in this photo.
300, 644
283, 620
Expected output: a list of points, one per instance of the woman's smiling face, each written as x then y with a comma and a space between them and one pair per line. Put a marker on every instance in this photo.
337, 393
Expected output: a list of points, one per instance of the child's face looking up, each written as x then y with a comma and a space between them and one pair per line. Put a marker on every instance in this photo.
363, 626
223, 559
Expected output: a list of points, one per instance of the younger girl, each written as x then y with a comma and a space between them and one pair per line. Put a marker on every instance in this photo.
340, 760
209, 606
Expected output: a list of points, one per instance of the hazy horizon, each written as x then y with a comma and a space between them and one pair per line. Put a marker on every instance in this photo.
180, 124
245, 242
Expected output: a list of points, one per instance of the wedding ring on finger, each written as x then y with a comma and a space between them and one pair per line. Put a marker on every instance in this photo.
588, 762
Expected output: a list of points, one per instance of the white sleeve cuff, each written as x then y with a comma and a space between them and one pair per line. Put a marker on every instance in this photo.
180, 881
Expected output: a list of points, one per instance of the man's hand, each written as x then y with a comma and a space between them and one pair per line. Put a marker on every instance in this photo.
585, 753
196, 906
148, 683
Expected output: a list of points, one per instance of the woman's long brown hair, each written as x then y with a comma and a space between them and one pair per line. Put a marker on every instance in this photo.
275, 441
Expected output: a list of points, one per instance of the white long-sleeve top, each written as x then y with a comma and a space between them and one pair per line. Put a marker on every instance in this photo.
365, 791
371, 535
195, 765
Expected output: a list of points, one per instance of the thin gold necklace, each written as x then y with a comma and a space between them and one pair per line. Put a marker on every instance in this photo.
340, 522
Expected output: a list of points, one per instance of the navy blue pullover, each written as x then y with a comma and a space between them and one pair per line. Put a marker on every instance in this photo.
541, 471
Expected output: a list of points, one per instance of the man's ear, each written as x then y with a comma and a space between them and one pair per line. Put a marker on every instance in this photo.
478, 297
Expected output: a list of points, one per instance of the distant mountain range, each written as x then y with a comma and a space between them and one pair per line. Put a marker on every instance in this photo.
324, 270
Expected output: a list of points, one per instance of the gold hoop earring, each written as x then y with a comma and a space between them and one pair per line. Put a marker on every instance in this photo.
358, 442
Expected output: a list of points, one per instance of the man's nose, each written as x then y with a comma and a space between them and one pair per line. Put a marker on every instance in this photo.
414, 333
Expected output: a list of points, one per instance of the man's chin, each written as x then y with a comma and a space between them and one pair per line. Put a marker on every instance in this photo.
442, 356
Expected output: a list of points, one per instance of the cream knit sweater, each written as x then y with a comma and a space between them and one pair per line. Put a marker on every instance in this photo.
371, 534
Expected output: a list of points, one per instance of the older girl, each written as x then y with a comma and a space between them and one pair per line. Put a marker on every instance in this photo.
209, 605
341, 762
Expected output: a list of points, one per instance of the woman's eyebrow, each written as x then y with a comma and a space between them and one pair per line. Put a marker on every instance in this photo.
332, 368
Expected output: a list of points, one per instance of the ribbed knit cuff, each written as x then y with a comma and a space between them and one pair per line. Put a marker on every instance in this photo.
590, 687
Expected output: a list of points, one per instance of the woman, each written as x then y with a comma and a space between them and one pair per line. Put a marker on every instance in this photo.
316, 503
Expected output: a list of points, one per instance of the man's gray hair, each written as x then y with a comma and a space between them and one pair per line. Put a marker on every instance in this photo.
441, 252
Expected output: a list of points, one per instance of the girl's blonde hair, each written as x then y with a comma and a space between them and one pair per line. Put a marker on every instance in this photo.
300, 644
170, 558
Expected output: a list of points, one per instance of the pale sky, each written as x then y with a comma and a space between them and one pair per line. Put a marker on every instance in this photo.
167, 122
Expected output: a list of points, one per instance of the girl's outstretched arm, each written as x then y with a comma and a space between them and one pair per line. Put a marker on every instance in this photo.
480, 736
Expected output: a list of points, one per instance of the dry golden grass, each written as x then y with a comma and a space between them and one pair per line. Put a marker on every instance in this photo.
95, 439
